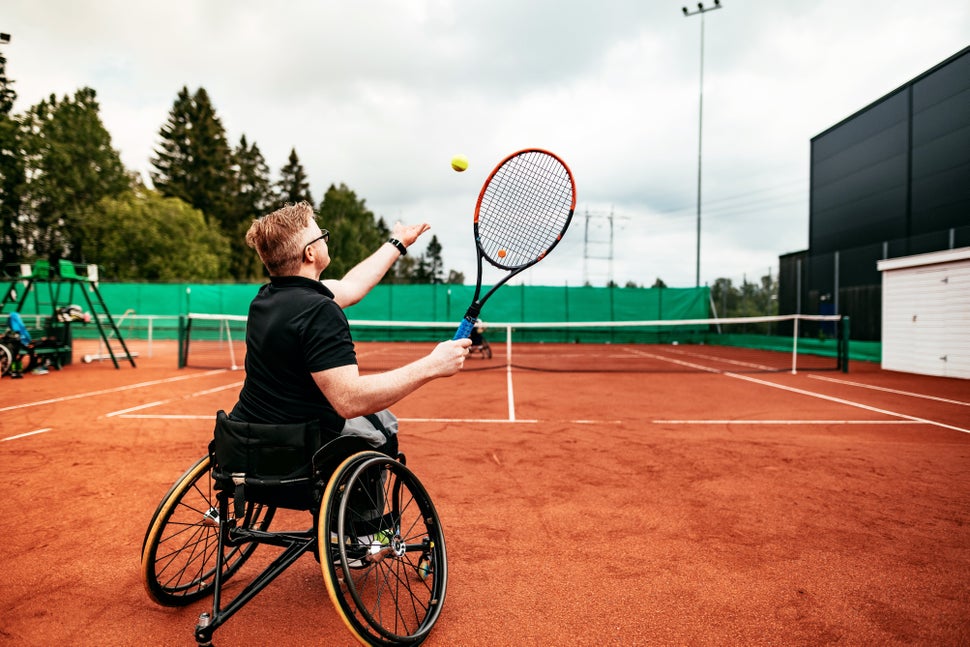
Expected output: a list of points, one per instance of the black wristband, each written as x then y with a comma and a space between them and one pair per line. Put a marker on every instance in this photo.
400, 246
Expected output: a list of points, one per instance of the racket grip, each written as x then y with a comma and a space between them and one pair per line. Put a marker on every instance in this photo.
465, 329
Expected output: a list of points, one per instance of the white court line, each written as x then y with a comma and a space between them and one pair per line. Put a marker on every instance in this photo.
140, 406
167, 416
849, 403
29, 433
226, 387
473, 420
489, 421
887, 390
114, 390
121, 413
810, 393
469, 420
679, 362
787, 422
508, 380
714, 358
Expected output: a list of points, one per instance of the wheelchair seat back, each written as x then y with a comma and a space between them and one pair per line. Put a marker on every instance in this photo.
283, 465
267, 463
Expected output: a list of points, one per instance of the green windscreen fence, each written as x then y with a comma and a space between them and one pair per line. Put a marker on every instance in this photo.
145, 310
515, 303
511, 303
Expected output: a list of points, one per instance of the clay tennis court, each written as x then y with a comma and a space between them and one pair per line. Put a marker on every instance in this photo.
685, 507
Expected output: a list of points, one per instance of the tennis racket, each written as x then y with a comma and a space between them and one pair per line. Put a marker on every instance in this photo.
523, 210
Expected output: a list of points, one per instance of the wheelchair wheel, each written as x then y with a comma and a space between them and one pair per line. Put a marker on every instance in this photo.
179, 552
6, 359
384, 562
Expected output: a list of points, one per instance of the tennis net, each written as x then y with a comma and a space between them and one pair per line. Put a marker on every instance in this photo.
742, 344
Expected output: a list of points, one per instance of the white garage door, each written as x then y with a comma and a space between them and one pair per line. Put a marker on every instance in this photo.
926, 315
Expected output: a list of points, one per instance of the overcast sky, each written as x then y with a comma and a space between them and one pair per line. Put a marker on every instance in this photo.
380, 95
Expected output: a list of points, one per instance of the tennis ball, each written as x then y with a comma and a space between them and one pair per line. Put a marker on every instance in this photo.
502, 253
459, 163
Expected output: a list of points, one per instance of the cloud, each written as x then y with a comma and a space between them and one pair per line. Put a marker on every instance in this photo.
380, 95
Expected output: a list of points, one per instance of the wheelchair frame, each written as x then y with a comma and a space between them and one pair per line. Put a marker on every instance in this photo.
480, 346
374, 531
6, 359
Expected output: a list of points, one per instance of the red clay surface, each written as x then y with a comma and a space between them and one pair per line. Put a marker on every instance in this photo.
629, 509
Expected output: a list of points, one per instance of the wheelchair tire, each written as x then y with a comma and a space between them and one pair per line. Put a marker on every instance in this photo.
386, 576
179, 550
6, 359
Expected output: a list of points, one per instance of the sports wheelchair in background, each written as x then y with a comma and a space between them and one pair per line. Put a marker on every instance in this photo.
480, 345
372, 527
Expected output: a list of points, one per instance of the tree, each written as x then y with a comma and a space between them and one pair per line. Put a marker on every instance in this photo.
432, 257
455, 277
69, 167
142, 235
354, 231
293, 185
252, 196
748, 300
11, 171
402, 271
193, 161
422, 271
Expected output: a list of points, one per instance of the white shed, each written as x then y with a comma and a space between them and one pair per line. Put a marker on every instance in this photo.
926, 313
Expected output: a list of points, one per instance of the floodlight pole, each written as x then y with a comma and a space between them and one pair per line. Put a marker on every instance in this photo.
701, 10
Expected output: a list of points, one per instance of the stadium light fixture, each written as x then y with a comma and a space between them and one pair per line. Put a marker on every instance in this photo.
701, 10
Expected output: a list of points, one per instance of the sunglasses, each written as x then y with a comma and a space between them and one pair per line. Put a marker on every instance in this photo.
325, 237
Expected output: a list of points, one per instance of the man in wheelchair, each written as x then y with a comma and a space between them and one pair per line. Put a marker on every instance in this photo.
480, 345
309, 432
300, 360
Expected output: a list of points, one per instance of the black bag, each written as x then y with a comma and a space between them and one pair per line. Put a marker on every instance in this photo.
272, 453
267, 463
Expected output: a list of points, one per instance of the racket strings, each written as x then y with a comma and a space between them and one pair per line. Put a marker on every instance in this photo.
525, 209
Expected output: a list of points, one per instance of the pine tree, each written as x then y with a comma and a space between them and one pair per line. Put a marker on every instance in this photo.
293, 185
170, 159
11, 171
70, 167
193, 161
354, 232
435, 265
422, 272
252, 197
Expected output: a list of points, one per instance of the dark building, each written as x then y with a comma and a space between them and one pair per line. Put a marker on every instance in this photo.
891, 180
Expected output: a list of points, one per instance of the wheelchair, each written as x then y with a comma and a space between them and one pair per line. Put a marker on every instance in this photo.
480, 345
6, 358
372, 527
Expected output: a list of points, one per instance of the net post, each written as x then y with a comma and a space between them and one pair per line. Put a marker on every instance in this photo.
181, 335
844, 343
232, 351
794, 347
508, 346
508, 371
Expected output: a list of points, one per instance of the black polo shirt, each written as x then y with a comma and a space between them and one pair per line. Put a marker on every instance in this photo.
295, 328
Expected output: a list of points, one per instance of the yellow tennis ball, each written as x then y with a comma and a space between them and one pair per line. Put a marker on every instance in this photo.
459, 163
